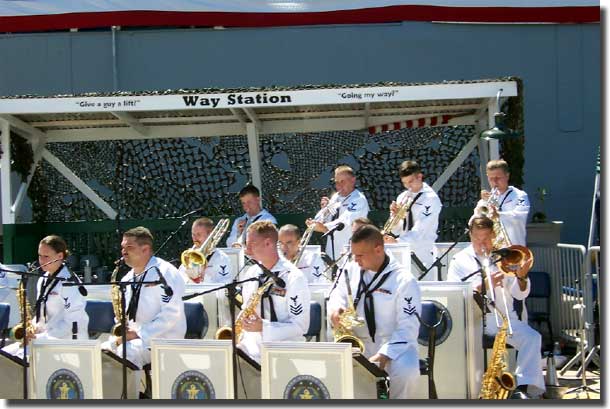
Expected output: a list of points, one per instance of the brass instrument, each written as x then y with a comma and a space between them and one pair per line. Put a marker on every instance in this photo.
498, 383
322, 214
197, 257
115, 294
520, 259
17, 332
348, 320
225, 332
401, 213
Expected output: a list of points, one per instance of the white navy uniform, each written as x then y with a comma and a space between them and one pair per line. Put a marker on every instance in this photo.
219, 269
262, 215
290, 304
396, 302
514, 206
350, 207
312, 266
422, 234
4, 285
525, 339
63, 306
158, 315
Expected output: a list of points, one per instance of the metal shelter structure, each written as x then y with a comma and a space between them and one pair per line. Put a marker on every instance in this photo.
251, 112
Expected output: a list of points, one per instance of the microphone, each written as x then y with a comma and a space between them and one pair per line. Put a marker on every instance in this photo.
81, 289
168, 290
338, 227
192, 212
268, 273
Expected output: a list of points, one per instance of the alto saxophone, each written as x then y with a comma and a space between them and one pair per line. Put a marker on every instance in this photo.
225, 332
498, 383
18, 332
115, 293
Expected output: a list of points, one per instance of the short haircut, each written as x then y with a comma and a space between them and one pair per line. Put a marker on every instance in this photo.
369, 234
249, 190
481, 223
265, 229
290, 229
204, 222
408, 168
498, 164
363, 221
344, 169
57, 244
141, 235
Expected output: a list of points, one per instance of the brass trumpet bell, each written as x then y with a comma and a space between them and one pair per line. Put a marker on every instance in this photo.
518, 261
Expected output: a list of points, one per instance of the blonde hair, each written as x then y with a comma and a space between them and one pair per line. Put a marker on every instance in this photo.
498, 164
265, 229
344, 169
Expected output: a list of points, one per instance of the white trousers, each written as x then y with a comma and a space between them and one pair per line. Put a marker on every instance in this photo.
403, 371
527, 341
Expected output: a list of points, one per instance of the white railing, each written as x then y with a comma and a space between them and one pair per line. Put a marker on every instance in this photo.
565, 264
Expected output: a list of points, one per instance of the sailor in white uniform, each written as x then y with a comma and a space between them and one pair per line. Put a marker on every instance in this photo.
250, 199
59, 309
310, 263
525, 339
153, 311
347, 204
512, 204
387, 296
419, 226
283, 313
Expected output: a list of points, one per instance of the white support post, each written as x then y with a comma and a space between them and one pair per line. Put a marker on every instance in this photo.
79, 184
455, 163
494, 144
38, 145
8, 217
254, 153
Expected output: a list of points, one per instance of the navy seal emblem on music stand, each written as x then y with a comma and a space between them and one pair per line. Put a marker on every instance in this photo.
193, 385
306, 387
64, 384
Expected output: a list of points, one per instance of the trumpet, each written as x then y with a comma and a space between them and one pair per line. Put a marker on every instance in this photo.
197, 257
401, 212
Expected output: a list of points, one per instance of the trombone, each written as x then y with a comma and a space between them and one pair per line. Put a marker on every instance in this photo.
485, 266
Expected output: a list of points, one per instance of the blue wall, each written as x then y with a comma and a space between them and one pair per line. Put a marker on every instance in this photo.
560, 67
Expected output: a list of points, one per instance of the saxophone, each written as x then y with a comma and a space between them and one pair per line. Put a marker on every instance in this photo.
348, 320
393, 220
249, 309
115, 293
497, 382
17, 332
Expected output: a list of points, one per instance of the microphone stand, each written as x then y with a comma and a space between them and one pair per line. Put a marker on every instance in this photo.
122, 287
437, 263
232, 292
185, 220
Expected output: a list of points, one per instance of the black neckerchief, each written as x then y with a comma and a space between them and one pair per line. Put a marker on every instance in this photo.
136, 287
209, 256
48, 284
367, 291
505, 197
408, 226
267, 295
336, 215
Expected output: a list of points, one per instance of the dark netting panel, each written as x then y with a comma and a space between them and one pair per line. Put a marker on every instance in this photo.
151, 179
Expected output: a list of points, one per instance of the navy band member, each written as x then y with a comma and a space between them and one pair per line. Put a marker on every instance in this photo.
57, 307
283, 314
250, 198
151, 311
419, 226
310, 264
513, 204
388, 297
525, 339
344, 206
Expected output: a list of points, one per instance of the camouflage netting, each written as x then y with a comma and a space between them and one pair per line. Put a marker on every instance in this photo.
156, 179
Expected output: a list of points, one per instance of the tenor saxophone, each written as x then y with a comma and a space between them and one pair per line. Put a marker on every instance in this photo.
115, 293
225, 332
18, 332
498, 382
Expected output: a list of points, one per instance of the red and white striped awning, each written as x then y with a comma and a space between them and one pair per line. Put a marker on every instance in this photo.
412, 123
45, 15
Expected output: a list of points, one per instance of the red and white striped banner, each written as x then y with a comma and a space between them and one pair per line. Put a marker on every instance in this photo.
44, 15
412, 123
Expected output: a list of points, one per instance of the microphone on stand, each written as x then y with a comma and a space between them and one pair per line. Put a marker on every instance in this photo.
168, 290
81, 288
268, 273
338, 227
